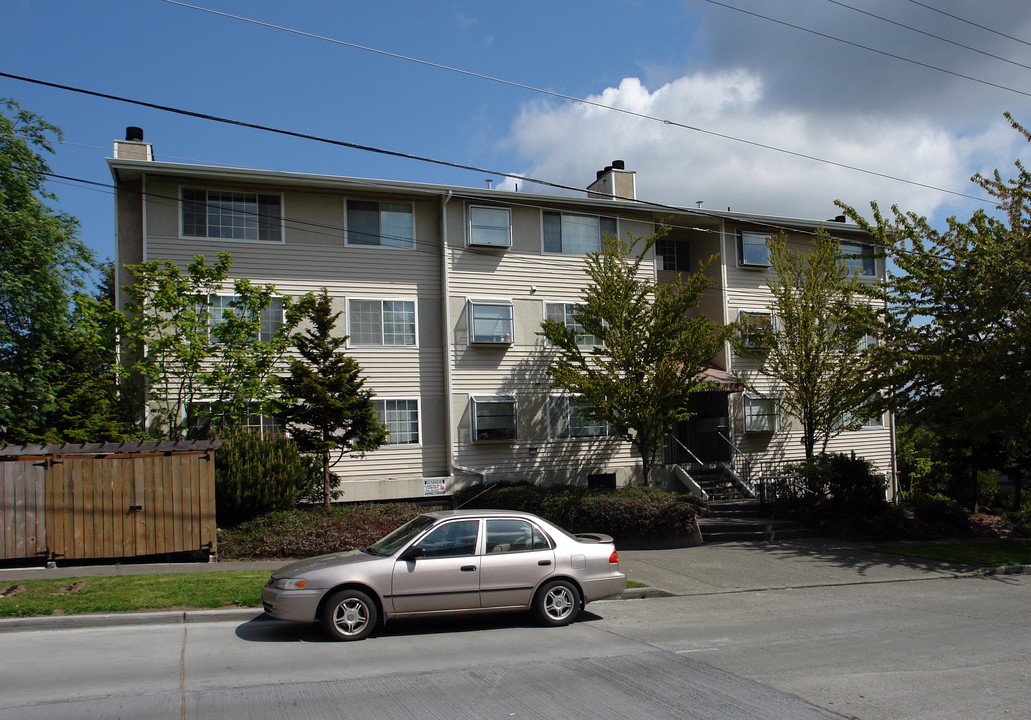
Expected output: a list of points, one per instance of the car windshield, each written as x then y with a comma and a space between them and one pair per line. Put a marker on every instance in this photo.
397, 539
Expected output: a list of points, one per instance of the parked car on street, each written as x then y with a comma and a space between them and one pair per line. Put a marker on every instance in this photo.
449, 562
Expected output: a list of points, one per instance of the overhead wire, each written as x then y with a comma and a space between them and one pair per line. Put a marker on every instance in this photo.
445, 163
927, 34
969, 22
864, 47
571, 98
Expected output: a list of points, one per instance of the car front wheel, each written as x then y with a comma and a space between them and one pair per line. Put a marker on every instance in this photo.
557, 603
349, 615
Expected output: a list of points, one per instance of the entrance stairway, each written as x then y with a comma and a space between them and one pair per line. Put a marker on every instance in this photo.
743, 520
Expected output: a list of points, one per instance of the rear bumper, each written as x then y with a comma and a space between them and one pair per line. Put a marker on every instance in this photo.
601, 588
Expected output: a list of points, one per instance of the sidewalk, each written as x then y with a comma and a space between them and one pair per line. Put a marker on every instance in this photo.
701, 570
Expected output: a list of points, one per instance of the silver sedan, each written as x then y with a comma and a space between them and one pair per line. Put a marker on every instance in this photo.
449, 562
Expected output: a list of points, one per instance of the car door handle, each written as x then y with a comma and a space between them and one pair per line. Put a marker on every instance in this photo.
544, 563
468, 568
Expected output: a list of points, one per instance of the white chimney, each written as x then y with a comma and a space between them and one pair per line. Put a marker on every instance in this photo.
133, 147
615, 182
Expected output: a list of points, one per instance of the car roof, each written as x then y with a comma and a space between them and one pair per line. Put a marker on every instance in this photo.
482, 513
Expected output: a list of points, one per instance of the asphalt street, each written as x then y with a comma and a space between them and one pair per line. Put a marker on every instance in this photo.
799, 629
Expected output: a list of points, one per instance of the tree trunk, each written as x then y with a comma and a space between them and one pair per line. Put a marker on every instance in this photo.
325, 478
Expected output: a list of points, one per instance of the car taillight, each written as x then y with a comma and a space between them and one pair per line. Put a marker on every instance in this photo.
614, 557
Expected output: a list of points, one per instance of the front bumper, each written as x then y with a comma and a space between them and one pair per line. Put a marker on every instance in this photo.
296, 605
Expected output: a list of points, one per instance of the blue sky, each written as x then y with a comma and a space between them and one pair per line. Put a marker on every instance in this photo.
692, 62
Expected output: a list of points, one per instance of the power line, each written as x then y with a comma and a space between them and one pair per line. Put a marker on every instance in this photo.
571, 98
460, 166
865, 47
927, 34
970, 22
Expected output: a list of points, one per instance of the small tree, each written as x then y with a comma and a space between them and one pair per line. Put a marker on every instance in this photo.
324, 403
650, 350
811, 348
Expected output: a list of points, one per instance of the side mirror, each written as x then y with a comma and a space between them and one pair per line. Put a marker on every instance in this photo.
412, 553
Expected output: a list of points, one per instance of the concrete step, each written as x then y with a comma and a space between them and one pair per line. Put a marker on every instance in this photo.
750, 530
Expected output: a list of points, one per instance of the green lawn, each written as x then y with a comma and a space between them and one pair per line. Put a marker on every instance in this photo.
996, 553
126, 593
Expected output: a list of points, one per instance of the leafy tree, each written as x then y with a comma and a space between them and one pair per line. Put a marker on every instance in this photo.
184, 354
651, 346
956, 334
810, 347
324, 403
53, 386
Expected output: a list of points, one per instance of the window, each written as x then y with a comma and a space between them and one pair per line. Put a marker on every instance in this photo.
563, 313
752, 249
571, 234
490, 226
514, 536
566, 420
231, 215
271, 317
672, 255
401, 418
868, 419
388, 224
451, 539
753, 327
866, 342
760, 414
490, 322
494, 418
381, 322
859, 258
200, 420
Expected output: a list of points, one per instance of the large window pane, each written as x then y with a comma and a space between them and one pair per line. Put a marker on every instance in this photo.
401, 418
231, 215
375, 223
494, 419
753, 249
490, 226
381, 322
490, 323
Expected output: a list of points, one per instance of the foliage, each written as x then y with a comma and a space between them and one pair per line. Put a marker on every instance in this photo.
937, 510
631, 513
651, 349
838, 486
255, 474
133, 593
324, 403
930, 463
304, 532
183, 354
55, 382
811, 349
956, 335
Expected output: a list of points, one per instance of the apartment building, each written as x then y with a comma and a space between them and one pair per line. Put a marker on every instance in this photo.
443, 290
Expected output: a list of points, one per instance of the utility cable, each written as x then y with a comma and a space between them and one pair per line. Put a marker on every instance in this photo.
927, 34
970, 22
864, 47
460, 166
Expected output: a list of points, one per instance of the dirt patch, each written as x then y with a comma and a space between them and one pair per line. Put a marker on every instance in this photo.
72, 587
11, 590
989, 526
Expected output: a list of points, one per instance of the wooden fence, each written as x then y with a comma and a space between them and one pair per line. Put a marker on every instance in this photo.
107, 500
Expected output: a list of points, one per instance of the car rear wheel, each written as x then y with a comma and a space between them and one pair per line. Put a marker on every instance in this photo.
349, 615
557, 603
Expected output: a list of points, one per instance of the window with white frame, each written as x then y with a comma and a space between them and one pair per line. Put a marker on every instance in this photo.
566, 419
271, 316
489, 226
387, 224
866, 417
574, 234
381, 322
562, 312
200, 421
672, 255
753, 327
401, 418
760, 414
493, 418
752, 250
490, 322
859, 258
231, 215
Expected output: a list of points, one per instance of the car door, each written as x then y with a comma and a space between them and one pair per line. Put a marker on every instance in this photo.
446, 574
517, 556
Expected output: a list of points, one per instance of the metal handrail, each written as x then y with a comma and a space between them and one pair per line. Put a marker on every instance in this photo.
748, 480
685, 449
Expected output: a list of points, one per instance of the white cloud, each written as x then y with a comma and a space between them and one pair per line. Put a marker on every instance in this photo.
568, 142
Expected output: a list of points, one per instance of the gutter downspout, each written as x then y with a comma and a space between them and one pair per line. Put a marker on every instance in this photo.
448, 379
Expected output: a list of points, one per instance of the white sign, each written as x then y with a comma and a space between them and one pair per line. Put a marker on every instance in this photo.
433, 487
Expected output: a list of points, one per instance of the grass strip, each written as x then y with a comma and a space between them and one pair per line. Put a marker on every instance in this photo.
993, 553
128, 593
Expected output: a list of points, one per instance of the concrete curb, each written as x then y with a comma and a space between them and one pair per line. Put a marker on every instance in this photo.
166, 617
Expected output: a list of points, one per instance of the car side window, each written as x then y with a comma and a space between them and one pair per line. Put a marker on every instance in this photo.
514, 536
451, 539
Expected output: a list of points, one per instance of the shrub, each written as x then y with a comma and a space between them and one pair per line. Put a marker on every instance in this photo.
937, 510
631, 513
255, 475
303, 532
840, 485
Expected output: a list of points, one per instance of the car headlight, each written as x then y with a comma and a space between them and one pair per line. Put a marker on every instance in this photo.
289, 583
